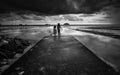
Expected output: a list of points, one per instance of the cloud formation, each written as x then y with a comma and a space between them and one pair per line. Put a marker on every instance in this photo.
13, 18
59, 6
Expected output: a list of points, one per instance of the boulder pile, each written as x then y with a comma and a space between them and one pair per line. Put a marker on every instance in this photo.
9, 47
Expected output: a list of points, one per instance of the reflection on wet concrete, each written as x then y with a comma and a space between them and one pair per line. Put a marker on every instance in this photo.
108, 50
57, 36
64, 56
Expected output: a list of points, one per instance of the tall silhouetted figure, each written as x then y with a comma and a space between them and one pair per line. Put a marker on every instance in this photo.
58, 28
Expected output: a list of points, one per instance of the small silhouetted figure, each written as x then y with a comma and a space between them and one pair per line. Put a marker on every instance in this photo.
54, 30
58, 28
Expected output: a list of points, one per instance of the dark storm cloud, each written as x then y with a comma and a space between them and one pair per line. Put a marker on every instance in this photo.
58, 6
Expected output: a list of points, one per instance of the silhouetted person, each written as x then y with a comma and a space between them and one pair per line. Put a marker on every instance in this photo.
58, 28
54, 30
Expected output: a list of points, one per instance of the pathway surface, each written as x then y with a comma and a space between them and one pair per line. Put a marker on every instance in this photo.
59, 56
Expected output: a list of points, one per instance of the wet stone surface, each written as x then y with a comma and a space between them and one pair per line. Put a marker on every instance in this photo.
59, 56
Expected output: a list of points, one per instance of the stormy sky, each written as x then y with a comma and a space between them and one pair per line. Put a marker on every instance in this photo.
57, 6
23, 10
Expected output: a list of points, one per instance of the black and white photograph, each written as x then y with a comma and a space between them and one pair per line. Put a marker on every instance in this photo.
59, 37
